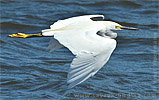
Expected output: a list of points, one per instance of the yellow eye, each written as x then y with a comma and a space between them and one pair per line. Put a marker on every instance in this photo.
118, 27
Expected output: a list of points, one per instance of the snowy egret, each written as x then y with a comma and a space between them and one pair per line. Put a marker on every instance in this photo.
88, 37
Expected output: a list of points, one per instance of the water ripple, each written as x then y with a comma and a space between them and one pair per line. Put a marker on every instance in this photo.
28, 71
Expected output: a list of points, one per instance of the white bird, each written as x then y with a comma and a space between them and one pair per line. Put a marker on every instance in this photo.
88, 37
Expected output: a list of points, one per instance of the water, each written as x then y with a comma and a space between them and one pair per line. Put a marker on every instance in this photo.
30, 72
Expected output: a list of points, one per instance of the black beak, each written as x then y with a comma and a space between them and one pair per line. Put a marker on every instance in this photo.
129, 28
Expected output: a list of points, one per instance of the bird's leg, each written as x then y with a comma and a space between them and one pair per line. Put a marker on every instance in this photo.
22, 35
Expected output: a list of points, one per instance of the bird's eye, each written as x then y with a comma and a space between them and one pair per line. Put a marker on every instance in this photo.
117, 27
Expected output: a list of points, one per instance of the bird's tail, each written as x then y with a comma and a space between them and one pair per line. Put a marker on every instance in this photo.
48, 32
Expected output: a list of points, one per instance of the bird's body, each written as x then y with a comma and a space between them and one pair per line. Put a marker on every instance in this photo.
79, 35
89, 39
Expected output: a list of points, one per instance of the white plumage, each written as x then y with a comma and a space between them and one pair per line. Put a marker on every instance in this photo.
91, 50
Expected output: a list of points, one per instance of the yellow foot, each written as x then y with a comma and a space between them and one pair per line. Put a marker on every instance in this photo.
21, 35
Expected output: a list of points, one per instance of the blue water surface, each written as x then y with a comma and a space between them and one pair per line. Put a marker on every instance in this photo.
29, 72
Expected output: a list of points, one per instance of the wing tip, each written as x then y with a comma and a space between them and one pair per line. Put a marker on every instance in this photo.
97, 18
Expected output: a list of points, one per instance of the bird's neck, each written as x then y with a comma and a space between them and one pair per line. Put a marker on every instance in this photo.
107, 34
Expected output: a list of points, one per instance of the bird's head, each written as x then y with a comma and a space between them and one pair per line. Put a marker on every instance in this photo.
115, 26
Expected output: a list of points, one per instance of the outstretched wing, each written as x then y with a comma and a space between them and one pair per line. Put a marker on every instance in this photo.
86, 65
92, 51
54, 45
64, 24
